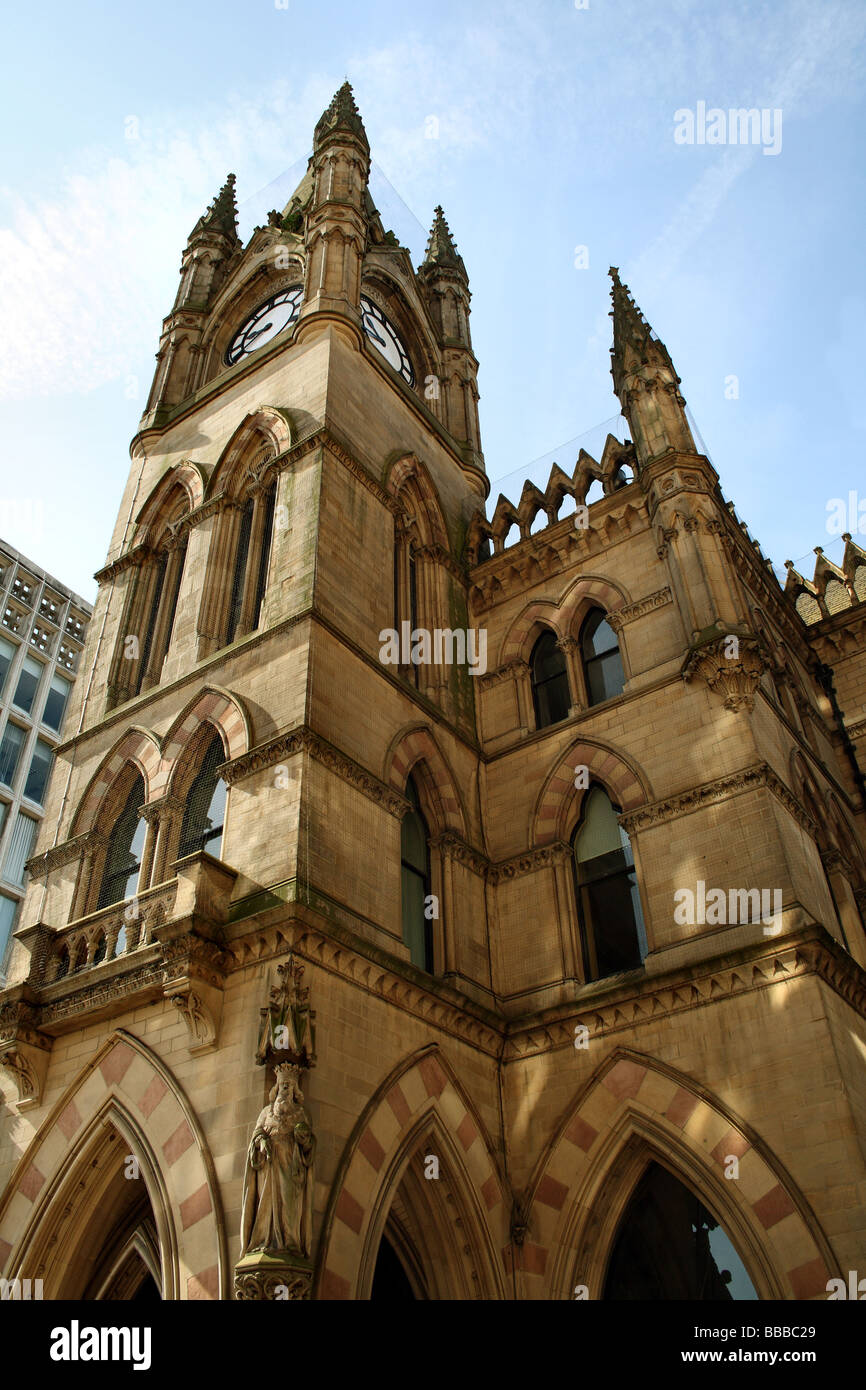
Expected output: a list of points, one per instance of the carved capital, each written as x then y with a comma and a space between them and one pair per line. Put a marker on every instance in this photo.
731, 665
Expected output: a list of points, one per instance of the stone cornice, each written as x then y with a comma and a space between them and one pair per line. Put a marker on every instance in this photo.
529, 863
683, 803
68, 850
809, 951
304, 739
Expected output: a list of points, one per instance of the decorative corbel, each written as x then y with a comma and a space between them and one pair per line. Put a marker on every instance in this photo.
24, 1051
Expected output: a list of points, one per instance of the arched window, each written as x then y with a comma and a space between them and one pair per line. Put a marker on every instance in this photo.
550, 693
415, 883
611, 921
204, 816
602, 664
123, 860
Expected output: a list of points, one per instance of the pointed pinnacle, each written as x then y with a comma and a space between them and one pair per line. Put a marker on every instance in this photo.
222, 213
342, 114
441, 250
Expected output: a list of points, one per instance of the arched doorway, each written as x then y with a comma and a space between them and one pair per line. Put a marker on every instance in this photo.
100, 1240
428, 1248
670, 1246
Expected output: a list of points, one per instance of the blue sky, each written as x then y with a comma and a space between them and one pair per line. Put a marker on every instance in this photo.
555, 130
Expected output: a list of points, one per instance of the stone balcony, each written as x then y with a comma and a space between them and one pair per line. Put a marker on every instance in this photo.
165, 943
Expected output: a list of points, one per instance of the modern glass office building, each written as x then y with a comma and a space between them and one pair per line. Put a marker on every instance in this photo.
42, 627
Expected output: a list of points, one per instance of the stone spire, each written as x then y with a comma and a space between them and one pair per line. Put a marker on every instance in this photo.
222, 214
441, 251
341, 115
645, 380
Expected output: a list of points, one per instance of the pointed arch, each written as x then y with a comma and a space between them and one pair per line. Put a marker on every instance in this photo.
420, 1097
559, 800
212, 705
634, 1108
416, 745
138, 747
408, 481
263, 435
180, 489
125, 1085
589, 591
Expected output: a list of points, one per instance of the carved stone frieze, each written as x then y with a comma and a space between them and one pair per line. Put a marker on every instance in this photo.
259, 1278
618, 617
512, 670
543, 858
681, 803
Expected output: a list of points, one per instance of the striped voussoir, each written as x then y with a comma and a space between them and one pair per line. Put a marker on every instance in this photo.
426, 1087
419, 746
217, 707
628, 1095
125, 1083
559, 791
137, 746
588, 590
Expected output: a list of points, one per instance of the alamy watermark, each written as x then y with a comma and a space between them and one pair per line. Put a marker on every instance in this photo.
441, 647
737, 126
715, 908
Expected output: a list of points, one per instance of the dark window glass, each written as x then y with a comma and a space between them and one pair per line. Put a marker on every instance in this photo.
172, 599
7, 656
123, 861
37, 776
609, 910
55, 702
10, 752
28, 683
264, 559
205, 806
415, 883
8, 909
671, 1247
601, 659
240, 569
151, 621
550, 694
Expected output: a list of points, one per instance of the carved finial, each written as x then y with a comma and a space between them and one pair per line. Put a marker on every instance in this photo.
222, 213
441, 251
342, 114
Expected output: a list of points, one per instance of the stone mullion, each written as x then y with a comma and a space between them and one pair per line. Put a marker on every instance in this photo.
523, 686
166, 815
213, 614
90, 877
570, 648
146, 867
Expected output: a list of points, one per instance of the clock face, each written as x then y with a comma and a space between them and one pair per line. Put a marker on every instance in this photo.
265, 323
385, 337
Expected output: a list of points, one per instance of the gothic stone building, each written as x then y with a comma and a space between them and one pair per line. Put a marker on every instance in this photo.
571, 926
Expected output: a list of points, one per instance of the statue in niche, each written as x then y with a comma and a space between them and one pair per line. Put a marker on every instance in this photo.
278, 1182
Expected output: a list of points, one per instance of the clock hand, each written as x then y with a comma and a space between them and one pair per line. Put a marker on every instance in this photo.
259, 331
